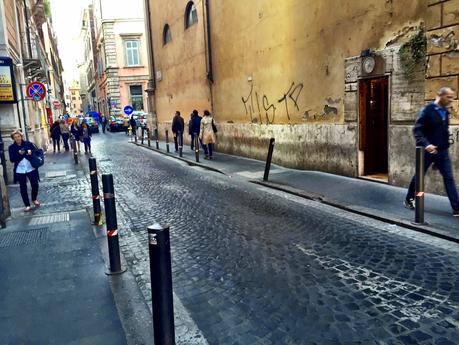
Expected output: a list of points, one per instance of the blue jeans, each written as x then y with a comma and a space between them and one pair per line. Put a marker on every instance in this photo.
443, 163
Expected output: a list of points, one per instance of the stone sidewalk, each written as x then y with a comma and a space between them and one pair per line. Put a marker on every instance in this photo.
376, 200
54, 287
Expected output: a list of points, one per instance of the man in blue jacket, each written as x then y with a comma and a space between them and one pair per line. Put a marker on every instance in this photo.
432, 131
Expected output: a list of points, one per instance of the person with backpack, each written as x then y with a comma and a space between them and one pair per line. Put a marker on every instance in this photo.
77, 133
133, 124
207, 134
194, 126
56, 136
23, 153
178, 125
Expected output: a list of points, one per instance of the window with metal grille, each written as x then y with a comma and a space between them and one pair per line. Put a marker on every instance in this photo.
136, 96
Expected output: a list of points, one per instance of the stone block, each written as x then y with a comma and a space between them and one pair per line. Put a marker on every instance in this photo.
451, 12
352, 69
433, 18
450, 63
442, 40
454, 111
433, 85
350, 106
433, 66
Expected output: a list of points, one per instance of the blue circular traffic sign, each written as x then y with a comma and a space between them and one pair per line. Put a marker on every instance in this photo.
36, 91
128, 110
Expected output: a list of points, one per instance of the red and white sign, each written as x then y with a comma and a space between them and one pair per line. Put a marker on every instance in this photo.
56, 104
36, 91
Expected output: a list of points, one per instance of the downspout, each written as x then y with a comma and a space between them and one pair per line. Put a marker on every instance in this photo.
210, 74
151, 87
26, 16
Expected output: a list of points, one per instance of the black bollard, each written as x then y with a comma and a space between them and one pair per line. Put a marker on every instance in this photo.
161, 284
269, 159
112, 225
167, 141
157, 138
148, 137
180, 142
196, 146
419, 199
143, 135
95, 191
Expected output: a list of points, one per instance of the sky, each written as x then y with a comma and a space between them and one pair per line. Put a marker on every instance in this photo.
66, 16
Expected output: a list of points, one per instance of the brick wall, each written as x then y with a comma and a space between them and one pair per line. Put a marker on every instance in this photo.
442, 25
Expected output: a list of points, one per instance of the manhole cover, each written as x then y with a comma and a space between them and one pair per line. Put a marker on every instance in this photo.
22, 238
53, 218
56, 173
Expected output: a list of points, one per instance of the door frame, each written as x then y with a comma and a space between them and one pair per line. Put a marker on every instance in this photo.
361, 154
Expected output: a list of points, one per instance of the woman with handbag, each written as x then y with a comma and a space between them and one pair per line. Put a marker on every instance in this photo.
207, 134
22, 154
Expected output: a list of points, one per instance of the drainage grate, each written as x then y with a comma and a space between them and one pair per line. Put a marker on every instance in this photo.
56, 173
22, 238
53, 218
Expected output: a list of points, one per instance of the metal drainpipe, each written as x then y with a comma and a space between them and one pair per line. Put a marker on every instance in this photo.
151, 88
207, 38
26, 16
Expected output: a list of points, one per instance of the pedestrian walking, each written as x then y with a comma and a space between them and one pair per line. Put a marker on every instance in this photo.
431, 130
86, 138
194, 127
77, 133
178, 125
65, 133
56, 136
21, 152
133, 124
207, 134
103, 121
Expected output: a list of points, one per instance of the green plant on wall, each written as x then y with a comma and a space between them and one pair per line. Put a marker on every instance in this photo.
413, 54
47, 8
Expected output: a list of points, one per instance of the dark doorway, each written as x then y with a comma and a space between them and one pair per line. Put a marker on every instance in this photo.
373, 122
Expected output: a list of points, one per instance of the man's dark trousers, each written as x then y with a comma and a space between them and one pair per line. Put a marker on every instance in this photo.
443, 163
176, 140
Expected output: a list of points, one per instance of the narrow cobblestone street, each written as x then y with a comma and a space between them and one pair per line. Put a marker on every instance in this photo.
254, 266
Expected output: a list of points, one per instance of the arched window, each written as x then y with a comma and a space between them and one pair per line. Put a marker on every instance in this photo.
191, 15
167, 34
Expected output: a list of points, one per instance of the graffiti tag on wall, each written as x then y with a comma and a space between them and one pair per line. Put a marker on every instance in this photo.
261, 109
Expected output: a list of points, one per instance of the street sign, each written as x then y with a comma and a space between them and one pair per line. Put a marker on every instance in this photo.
128, 110
56, 104
36, 91
7, 82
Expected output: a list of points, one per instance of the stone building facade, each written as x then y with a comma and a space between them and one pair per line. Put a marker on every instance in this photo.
340, 92
121, 56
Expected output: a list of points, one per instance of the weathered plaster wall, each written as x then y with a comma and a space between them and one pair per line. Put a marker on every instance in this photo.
180, 64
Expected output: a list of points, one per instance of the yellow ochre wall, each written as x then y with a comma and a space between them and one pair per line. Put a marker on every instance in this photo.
294, 51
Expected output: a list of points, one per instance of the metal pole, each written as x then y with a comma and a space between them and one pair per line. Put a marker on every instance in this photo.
419, 199
95, 191
148, 137
180, 142
157, 138
167, 141
196, 146
74, 148
143, 134
161, 284
269, 159
112, 225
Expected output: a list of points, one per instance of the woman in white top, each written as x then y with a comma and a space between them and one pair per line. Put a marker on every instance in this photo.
207, 134
20, 154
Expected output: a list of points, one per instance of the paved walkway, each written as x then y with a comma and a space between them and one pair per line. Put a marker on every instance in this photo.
53, 284
370, 198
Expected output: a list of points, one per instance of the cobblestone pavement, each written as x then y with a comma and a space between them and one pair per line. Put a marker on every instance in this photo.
254, 266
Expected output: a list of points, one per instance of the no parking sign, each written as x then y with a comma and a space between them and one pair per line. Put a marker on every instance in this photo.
36, 91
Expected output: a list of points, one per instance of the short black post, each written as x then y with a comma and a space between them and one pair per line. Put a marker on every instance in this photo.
196, 146
149, 137
143, 135
167, 141
161, 284
180, 142
134, 132
157, 138
74, 148
112, 225
269, 159
95, 191
419, 199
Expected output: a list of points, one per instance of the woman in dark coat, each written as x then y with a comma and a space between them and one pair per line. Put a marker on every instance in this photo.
20, 154
56, 135
77, 133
